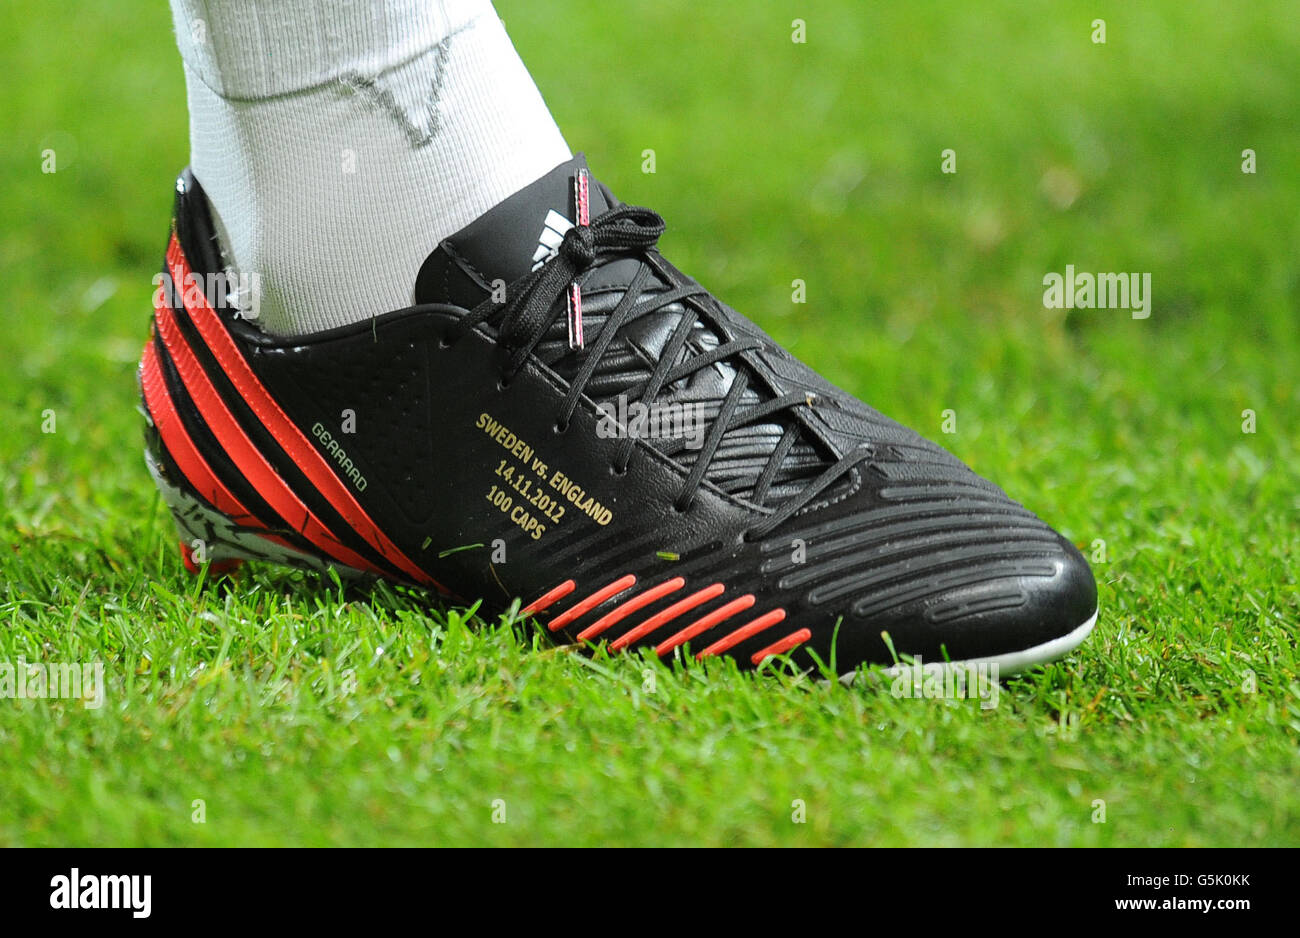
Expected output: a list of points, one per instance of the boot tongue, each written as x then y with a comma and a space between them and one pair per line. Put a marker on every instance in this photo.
508, 241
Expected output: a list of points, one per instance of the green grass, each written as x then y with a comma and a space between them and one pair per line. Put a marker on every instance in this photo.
301, 713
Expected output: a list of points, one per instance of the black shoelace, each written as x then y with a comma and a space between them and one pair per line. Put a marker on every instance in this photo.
534, 303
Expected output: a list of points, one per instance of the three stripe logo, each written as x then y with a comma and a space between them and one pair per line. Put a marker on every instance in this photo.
553, 232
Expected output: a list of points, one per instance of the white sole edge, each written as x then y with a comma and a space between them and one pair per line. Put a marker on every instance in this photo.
1010, 663
226, 540
1015, 661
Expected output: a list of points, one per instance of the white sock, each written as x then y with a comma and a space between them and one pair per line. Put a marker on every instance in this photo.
339, 141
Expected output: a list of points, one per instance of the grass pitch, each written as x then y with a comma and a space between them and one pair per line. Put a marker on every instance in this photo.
284, 709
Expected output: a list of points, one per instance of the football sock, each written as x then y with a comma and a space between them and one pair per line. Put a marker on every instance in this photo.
340, 141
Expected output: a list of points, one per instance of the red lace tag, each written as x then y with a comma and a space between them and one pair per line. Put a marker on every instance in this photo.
581, 208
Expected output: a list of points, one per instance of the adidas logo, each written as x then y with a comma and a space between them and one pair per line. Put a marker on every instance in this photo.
553, 232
